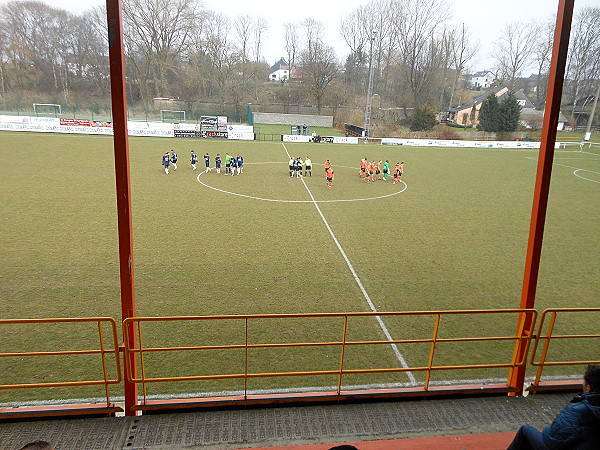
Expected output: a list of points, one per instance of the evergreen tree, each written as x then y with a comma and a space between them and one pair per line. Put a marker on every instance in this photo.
423, 119
510, 112
489, 114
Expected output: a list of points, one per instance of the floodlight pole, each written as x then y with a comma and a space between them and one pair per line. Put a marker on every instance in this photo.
121, 148
542, 184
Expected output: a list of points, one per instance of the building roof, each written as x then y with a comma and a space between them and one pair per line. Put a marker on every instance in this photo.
520, 95
536, 114
280, 65
481, 73
478, 99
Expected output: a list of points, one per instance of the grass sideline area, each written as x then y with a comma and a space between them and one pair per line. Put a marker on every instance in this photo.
455, 238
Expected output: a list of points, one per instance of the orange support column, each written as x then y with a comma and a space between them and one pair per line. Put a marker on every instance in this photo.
121, 145
542, 183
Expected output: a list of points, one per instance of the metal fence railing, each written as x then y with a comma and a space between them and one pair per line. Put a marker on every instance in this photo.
407, 353
448, 349
559, 327
60, 360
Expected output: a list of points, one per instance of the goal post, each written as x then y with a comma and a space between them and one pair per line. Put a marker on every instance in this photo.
169, 115
48, 109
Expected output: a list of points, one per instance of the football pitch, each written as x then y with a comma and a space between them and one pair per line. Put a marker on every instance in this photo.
451, 236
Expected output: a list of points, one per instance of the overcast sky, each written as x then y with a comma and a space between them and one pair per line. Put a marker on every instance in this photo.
484, 19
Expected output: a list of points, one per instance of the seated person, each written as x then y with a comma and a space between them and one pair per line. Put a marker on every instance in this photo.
577, 426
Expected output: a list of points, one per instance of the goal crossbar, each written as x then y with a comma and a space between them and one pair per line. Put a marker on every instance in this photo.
170, 114
47, 108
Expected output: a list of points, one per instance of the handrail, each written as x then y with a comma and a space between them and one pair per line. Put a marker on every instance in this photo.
105, 380
548, 321
339, 341
139, 351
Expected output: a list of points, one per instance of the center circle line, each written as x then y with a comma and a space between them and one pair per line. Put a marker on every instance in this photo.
299, 201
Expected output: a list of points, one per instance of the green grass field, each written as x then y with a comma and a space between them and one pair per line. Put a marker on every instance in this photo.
454, 238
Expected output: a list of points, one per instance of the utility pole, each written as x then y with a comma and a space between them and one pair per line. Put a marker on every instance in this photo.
367, 124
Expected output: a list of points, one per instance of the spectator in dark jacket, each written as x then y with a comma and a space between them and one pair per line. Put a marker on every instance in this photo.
577, 426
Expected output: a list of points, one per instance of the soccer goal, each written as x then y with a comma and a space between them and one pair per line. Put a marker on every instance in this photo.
169, 115
47, 109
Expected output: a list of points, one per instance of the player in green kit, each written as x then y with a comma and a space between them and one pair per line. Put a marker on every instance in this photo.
227, 164
386, 169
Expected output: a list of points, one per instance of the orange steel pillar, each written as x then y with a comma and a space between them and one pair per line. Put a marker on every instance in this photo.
542, 182
121, 145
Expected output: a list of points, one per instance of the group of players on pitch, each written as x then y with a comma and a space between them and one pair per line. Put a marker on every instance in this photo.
371, 171
295, 166
234, 165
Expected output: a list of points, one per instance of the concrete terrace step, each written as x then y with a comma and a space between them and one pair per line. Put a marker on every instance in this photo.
430, 423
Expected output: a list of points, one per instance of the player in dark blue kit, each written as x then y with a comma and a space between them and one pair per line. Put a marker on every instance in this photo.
193, 160
174, 159
233, 163
240, 164
297, 167
165, 162
218, 162
207, 162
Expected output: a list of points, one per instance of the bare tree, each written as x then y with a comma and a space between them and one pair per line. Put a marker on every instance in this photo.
352, 29
261, 26
35, 31
461, 52
313, 32
291, 44
383, 14
157, 32
318, 61
219, 50
243, 26
583, 65
420, 53
514, 49
541, 55
319, 69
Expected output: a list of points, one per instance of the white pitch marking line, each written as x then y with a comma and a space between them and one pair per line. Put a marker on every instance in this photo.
584, 178
577, 169
411, 377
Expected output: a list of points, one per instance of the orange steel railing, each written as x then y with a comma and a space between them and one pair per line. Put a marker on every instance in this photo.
244, 344
434, 358
105, 379
546, 335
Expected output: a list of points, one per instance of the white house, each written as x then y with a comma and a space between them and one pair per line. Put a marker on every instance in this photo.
280, 71
482, 80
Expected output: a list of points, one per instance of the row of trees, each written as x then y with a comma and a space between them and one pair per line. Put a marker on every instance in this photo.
179, 48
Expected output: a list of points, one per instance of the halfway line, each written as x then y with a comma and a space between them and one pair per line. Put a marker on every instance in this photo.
411, 377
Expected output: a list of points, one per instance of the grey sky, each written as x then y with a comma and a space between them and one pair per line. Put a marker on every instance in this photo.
484, 19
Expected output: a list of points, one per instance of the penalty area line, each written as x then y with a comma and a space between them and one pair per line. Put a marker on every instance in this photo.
399, 356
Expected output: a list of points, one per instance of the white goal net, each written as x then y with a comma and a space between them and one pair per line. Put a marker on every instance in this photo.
168, 115
47, 109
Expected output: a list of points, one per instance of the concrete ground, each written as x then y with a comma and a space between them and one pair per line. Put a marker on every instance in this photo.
461, 423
